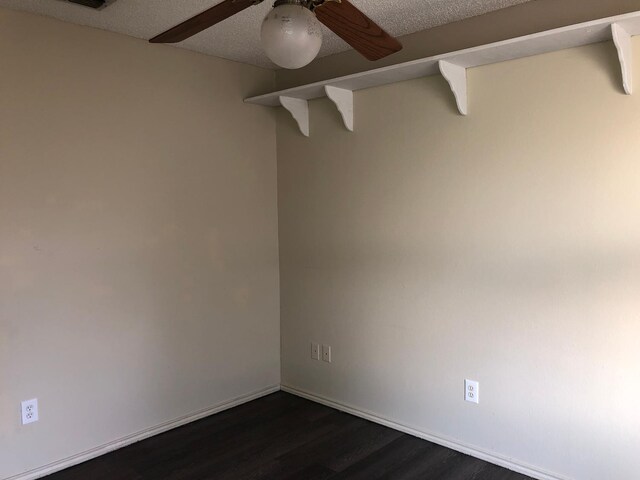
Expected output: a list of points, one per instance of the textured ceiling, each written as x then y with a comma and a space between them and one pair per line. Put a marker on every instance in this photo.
238, 38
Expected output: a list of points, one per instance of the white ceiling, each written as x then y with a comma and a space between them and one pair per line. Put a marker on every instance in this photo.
238, 38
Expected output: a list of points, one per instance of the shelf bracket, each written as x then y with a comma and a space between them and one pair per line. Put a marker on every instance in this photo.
622, 40
344, 101
299, 110
457, 78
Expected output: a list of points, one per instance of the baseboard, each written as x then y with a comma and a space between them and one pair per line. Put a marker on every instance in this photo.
136, 437
490, 457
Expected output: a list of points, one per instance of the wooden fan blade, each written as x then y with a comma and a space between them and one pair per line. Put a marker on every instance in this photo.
358, 30
202, 21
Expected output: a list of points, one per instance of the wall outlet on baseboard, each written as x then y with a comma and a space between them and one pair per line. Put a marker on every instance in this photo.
472, 391
315, 351
326, 353
30, 411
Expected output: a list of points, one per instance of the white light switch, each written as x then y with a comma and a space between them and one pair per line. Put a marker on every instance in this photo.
326, 353
315, 351
472, 391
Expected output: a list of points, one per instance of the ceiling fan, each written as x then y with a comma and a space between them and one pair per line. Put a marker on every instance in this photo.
291, 34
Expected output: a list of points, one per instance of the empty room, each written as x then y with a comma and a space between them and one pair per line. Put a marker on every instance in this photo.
319, 239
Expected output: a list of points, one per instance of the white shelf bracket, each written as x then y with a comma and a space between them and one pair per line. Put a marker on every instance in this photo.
299, 110
344, 101
622, 39
457, 78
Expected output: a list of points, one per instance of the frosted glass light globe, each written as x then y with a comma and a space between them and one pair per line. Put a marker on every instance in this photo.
291, 36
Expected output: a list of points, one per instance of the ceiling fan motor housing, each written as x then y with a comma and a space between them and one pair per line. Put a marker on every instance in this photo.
278, 3
310, 4
95, 4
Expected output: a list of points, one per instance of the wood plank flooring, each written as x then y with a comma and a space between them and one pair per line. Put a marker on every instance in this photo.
284, 437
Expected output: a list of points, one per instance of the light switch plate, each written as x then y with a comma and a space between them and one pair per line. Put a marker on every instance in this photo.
472, 391
326, 353
315, 351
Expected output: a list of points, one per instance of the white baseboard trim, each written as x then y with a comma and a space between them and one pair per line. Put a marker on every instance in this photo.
476, 452
136, 437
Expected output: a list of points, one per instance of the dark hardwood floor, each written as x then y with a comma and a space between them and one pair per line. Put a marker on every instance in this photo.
284, 437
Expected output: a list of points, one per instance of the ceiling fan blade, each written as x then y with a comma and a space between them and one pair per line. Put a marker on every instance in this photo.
358, 30
202, 21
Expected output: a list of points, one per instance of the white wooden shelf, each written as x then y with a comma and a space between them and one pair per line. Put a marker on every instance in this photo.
453, 67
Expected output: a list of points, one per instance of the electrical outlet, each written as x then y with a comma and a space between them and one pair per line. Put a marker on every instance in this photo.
29, 411
326, 353
472, 391
315, 351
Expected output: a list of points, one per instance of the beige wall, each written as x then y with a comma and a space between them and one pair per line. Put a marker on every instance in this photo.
138, 236
504, 247
139, 262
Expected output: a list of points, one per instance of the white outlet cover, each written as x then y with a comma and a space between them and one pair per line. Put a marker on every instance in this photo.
315, 351
30, 411
326, 353
472, 391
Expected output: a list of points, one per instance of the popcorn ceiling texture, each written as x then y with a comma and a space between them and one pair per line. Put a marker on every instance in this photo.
238, 38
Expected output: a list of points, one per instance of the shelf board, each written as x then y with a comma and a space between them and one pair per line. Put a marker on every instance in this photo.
621, 28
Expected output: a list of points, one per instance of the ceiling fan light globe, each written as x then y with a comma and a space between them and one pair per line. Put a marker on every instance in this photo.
291, 36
